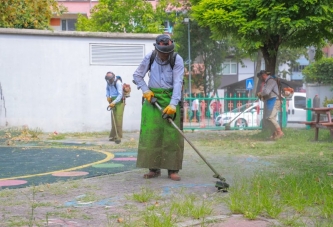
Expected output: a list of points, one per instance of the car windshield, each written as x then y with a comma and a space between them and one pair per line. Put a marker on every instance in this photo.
242, 108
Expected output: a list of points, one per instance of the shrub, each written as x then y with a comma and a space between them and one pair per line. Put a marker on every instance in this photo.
319, 72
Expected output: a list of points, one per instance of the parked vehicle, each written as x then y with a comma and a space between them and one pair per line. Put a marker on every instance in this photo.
251, 114
296, 110
248, 115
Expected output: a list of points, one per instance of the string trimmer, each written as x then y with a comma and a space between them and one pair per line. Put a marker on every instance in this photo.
220, 185
116, 140
227, 125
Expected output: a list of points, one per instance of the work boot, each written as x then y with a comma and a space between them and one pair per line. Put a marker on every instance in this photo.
279, 134
152, 173
173, 175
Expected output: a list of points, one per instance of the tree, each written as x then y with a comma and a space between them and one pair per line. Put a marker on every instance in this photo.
28, 14
131, 16
212, 53
268, 24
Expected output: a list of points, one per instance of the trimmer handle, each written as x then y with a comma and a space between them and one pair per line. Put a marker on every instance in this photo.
154, 102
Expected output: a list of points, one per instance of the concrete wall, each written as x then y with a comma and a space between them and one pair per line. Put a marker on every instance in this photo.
323, 91
48, 81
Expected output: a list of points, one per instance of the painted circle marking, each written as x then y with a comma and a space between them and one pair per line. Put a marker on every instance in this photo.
108, 165
70, 174
11, 182
124, 159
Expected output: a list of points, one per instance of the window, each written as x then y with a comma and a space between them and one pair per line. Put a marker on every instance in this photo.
229, 67
263, 65
300, 102
68, 24
298, 68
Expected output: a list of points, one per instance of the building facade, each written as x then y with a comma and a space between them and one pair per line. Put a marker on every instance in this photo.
54, 80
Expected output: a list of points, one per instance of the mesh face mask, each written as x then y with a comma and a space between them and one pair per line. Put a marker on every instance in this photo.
110, 77
164, 44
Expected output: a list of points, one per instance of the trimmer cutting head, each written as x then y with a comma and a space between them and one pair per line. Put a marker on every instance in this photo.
221, 186
117, 141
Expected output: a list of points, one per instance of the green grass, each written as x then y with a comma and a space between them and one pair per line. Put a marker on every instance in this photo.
145, 195
298, 178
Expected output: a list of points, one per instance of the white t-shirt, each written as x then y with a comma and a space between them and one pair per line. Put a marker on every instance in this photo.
195, 104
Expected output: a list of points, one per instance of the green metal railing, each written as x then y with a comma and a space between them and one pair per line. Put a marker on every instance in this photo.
210, 108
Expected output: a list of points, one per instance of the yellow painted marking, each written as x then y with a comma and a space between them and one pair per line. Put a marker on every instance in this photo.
109, 156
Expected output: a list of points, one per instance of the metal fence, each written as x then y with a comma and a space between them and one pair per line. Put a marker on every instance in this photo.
234, 112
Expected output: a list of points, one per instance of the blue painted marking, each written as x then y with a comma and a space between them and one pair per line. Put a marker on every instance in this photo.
134, 154
115, 200
167, 191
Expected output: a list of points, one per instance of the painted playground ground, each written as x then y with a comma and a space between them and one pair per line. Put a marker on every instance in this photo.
28, 164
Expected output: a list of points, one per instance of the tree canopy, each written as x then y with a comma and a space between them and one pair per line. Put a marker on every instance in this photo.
131, 16
268, 24
320, 71
28, 14
212, 53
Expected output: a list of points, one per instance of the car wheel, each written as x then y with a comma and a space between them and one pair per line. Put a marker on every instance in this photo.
241, 124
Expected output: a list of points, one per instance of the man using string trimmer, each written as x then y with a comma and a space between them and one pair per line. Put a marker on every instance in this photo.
271, 95
160, 146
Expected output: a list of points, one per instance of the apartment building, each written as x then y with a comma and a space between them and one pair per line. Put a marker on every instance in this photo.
66, 21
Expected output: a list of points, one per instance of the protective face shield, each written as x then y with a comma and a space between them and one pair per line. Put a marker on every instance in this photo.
164, 44
109, 77
261, 73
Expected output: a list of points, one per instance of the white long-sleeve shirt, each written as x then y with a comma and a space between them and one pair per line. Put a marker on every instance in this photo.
161, 76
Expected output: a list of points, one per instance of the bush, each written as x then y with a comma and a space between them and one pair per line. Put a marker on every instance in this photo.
319, 72
328, 101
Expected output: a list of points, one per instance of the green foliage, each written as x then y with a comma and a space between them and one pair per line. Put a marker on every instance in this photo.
328, 101
28, 14
212, 53
131, 16
268, 24
320, 71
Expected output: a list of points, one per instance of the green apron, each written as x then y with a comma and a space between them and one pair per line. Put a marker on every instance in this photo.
117, 113
161, 146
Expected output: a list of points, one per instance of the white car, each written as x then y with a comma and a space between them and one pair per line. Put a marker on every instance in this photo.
248, 115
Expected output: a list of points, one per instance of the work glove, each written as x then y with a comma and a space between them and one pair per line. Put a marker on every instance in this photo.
169, 110
109, 99
112, 104
148, 95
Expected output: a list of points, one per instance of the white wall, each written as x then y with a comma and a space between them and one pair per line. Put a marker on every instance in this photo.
47, 80
323, 91
246, 71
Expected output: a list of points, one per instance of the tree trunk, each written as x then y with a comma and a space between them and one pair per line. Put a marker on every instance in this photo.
258, 67
270, 56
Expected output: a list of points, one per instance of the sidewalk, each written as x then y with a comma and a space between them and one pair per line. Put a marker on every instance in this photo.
109, 198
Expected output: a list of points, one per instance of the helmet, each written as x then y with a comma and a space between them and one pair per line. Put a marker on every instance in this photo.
109, 77
260, 73
164, 44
